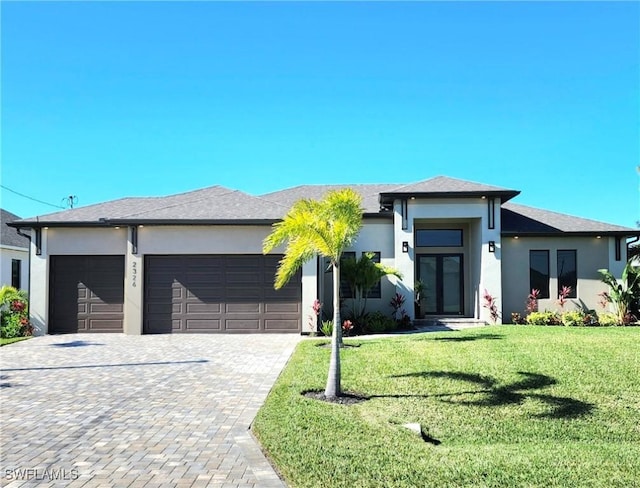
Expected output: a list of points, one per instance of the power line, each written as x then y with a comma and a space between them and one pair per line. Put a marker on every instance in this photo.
31, 198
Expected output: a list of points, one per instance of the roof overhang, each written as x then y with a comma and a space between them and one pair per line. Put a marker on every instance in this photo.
102, 223
387, 198
559, 233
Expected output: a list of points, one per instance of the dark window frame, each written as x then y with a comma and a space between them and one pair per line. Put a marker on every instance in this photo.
16, 272
376, 291
571, 281
345, 289
544, 290
458, 231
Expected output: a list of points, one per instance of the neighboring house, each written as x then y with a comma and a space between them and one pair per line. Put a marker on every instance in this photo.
193, 262
14, 254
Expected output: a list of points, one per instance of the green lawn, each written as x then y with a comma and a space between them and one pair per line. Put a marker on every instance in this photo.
4, 341
510, 405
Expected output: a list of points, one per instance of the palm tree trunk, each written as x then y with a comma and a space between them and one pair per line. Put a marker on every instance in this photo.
333, 389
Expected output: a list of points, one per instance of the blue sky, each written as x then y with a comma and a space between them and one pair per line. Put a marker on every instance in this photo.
114, 99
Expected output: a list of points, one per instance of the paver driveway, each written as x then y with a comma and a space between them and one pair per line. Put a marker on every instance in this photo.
97, 410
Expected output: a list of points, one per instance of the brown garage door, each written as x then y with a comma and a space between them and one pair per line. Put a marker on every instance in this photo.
218, 293
86, 294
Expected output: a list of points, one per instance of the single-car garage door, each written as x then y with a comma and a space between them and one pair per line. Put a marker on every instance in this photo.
86, 294
218, 293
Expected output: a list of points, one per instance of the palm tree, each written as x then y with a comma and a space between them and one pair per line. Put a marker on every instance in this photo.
362, 275
319, 227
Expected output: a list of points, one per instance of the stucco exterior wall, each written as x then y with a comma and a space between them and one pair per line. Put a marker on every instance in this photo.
376, 236
484, 270
151, 240
7, 254
591, 254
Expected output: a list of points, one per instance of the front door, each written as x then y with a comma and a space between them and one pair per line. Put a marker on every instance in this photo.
442, 280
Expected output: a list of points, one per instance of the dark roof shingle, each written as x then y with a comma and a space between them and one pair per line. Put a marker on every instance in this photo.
8, 235
520, 219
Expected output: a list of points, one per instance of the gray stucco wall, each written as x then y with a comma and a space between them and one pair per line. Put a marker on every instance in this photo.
591, 255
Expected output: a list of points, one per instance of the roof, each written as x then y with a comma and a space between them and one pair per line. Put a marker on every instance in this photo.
208, 205
370, 194
220, 205
8, 235
445, 187
522, 220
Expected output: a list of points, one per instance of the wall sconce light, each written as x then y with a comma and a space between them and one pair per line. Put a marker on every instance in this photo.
598, 237
516, 237
492, 246
405, 246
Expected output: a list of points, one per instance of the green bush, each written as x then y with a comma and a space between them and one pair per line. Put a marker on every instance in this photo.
327, 327
14, 313
608, 319
574, 318
378, 322
544, 318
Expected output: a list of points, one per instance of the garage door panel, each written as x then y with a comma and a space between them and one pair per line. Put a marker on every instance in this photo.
283, 307
250, 277
205, 294
99, 325
86, 294
220, 293
196, 325
199, 308
101, 308
235, 308
243, 325
281, 325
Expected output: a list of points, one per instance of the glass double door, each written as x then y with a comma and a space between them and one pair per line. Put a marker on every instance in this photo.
442, 281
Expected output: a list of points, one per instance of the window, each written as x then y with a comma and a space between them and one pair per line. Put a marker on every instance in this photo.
345, 289
539, 272
439, 238
15, 273
567, 271
376, 291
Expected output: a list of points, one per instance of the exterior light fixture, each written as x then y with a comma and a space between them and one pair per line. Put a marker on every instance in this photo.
516, 237
484, 197
598, 237
405, 246
492, 246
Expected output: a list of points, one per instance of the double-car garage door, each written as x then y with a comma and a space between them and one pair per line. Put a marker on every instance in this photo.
185, 293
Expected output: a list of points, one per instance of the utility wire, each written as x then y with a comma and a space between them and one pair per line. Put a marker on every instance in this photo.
31, 198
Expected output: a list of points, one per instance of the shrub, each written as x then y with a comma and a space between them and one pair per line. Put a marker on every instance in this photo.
573, 318
14, 313
517, 319
491, 303
608, 319
327, 328
544, 318
378, 322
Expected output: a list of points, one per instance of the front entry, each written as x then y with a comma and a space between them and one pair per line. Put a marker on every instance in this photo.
441, 276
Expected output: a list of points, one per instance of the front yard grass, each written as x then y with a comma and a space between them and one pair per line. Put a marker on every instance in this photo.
508, 405
4, 341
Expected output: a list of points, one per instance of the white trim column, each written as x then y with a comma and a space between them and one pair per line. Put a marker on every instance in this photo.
39, 284
133, 289
309, 294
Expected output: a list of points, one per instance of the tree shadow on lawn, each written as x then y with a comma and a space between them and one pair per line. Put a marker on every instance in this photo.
511, 394
489, 337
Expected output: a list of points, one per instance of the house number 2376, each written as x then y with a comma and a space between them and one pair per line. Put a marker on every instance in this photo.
134, 274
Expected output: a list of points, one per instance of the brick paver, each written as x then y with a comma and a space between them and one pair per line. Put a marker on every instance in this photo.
94, 410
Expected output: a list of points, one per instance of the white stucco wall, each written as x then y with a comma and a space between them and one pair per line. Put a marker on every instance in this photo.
485, 268
591, 254
376, 235
9, 253
151, 240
